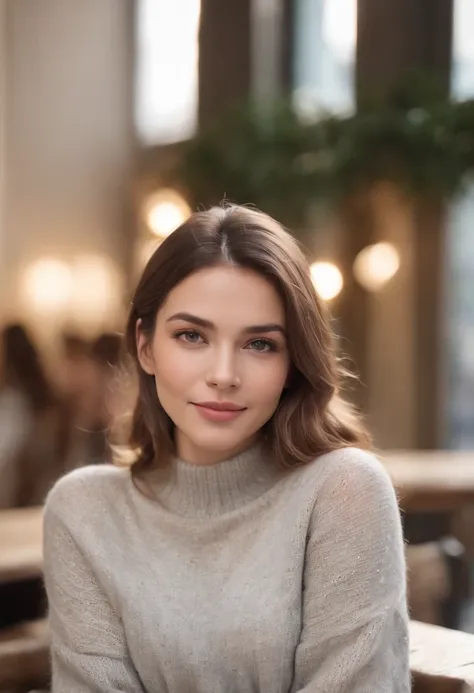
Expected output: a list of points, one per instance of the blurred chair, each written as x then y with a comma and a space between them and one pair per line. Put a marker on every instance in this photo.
428, 582
24, 657
438, 569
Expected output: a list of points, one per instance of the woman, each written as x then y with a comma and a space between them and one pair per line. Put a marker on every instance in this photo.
29, 423
253, 546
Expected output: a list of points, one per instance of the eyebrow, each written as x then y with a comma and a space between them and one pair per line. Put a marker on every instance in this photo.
251, 329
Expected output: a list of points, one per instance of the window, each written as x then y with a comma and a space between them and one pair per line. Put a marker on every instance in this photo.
166, 96
325, 40
462, 82
459, 297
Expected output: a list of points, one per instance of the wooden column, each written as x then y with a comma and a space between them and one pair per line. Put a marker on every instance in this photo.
429, 305
230, 68
288, 45
396, 38
224, 56
351, 309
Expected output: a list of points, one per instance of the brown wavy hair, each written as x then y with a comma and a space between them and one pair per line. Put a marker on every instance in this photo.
311, 417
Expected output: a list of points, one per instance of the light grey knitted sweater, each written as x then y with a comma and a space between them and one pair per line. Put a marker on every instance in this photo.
234, 578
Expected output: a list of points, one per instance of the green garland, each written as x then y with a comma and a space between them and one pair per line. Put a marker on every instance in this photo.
285, 164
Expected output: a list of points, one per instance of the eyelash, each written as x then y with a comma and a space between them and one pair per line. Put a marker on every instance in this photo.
270, 344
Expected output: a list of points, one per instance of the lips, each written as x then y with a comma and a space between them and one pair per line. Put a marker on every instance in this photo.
219, 412
220, 406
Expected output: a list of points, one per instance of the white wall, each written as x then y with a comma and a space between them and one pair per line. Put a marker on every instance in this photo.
68, 133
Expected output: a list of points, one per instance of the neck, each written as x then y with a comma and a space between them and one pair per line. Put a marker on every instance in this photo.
209, 490
188, 453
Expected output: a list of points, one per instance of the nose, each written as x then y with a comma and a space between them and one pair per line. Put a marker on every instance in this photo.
223, 371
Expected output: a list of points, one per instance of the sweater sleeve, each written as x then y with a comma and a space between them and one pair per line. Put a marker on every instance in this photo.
355, 624
88, 648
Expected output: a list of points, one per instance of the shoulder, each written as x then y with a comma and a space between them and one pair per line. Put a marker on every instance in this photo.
355, 542
354, 520
357, 467
347, 467
351, 485
87, 491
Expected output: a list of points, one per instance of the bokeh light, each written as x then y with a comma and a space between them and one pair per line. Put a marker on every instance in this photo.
165, 211
327, 279
376, 265
47, 285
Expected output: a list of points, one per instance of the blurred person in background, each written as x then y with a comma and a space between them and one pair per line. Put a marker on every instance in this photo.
32, 444
73, 366
93, 401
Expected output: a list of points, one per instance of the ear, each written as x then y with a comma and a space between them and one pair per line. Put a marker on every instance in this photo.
144, 353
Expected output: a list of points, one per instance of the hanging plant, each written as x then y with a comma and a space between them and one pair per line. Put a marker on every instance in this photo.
285, 164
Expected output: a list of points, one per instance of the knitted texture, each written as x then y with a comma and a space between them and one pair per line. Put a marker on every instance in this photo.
232, 578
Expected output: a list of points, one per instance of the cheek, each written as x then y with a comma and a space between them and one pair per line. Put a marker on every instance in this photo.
174, 370
267, 381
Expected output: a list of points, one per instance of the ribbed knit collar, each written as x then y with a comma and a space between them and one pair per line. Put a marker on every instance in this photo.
200, 491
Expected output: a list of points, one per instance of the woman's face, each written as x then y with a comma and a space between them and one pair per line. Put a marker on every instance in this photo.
220, 359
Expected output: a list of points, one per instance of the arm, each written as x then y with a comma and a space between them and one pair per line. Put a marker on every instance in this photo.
355, 624
88, 648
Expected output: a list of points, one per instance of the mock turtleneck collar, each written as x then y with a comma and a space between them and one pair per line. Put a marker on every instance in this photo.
205, 491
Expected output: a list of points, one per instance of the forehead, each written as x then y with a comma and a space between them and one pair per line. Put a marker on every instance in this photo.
226, 294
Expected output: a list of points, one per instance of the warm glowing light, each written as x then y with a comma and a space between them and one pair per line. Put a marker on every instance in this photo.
165, 211
375, 265
96, 289
47, 286
327, 279
86, 291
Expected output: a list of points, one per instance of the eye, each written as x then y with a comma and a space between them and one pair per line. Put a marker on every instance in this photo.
262, 345
188, 336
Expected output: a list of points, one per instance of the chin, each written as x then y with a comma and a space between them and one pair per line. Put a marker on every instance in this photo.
222, 443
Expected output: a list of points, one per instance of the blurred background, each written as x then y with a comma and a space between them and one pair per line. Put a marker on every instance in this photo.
351, 121
118, 118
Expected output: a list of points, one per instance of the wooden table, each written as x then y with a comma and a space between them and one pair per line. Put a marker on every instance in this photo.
442, 654
21, 544
432, 481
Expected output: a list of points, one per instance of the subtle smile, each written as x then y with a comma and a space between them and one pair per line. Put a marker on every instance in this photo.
219, 411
